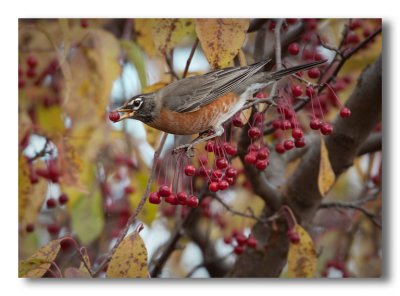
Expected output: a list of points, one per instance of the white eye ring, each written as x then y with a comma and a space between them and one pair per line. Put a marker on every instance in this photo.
136, 103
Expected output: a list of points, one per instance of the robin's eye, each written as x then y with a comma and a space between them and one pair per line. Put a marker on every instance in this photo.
136, 103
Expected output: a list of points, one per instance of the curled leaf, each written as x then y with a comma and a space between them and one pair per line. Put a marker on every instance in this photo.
326, 176
221, 39
302, 258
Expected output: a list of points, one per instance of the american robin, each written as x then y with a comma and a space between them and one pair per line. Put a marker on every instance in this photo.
201, 104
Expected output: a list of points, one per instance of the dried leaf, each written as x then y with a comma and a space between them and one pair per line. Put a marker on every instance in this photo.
143, 30
24, 186
130, 259
221, 39
302, 258
82, 266
70, 162
326, 176
87, 217
155, 87
37, 196
38, 264
167, 33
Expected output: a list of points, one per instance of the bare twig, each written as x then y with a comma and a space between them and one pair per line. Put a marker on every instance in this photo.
42, 152
278, 45
372, 144
138, 209
352, 206
189, 60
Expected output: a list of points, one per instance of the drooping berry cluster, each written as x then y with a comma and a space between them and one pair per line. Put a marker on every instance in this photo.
240, 241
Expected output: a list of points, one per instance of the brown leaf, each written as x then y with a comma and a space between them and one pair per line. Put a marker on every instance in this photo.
326, 176
167, 33
24, 186
38, 264
130, 259
302, 258
221, 39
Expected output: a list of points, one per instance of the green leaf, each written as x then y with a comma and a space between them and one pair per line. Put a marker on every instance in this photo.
87, 217
38, 264
136, 57
130, 259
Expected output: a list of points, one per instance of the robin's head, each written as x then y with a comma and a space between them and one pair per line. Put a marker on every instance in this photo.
141, 107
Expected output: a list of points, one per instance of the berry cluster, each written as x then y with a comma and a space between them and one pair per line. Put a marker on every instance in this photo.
180, 198
239, 242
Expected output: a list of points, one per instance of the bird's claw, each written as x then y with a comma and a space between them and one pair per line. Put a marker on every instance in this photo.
188, 148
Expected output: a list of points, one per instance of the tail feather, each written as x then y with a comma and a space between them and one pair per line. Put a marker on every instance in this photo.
288, 71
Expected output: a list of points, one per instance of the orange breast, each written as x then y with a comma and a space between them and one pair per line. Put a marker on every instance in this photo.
194, 122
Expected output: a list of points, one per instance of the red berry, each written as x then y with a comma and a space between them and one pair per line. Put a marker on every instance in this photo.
192, 201
238, 250
291, 21
63, 199
129, 189
252, 148
250, 157
190, 170
293, 236
53, 229
230, 149
280, 148
294, 48
297, 91
236, 121
299, 143
53, 171
113, 116
21, 83
30, 227
252, 242
164, 191
216, 174
231, 173
204, 172
261, 164
66, 243
315, 124
228, 240
51, 203
32, 62
262, 154
258, 118
352, 38
31, 73
297, 133
210, 146
182, 198
254, 132
355, 24
288, 144
276, 124
213, 187
345, 112
310, 92
171, 199
326, 129
229, 180
221, 163
154, 198
366, 33
314, 73
241, 239
223, 184
285, 124
84, 23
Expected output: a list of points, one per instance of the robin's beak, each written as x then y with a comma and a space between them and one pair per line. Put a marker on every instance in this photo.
126, 112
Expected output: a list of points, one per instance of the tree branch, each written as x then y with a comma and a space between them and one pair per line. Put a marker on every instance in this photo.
372, 144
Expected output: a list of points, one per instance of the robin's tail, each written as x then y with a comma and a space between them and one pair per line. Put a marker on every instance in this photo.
288, 71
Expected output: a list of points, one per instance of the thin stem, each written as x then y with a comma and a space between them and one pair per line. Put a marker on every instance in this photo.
189, 60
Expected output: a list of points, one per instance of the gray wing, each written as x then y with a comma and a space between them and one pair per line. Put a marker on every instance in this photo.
191, 93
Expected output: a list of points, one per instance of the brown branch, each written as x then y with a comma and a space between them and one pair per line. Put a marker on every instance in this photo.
189, 60
138, 209
352, 206
42, 152
372, 144
256, 24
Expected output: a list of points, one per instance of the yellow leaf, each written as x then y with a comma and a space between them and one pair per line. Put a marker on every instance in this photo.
139, 182
130, 259
37, 196
221, 39
87, 217
154, 87
326, 176
50, 120
302, 258
136, 57
70, 162
167, 33
144, 35
38, 264
24, 186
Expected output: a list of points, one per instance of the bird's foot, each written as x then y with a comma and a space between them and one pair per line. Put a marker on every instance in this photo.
188, 148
